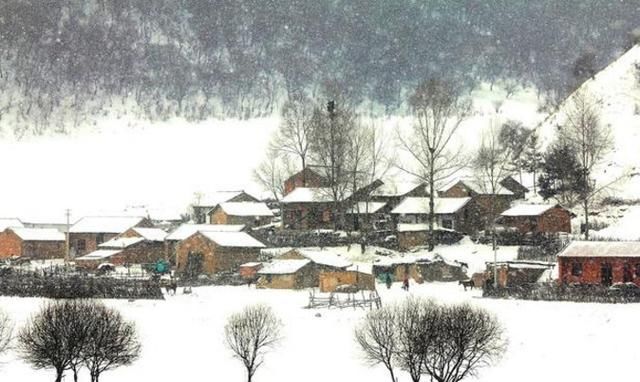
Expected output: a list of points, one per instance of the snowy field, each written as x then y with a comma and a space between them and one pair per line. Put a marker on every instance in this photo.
182, 338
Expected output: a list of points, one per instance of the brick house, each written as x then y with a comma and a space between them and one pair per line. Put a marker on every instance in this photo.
89, 232
482, 199
185, 230
208, 201
308, 208
210, 252
537, 218
304, 178
600, 263
251, 214
34, 243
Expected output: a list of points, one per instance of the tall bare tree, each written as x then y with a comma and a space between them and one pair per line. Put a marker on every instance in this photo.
438, 111
273, 171
250, 334
591, 140
377, 337
293, 136
491, 166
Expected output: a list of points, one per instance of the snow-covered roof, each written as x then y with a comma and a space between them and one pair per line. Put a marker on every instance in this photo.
251, 264
325, 258
38, 234
212, 199
420, 205
482, 187
413, 227
105, 224
10, 222
232, 239
151, 234
186, 230
100, 254
602, 249
309, 195
366, 207
121, 242
283, 267
528, 209
246, 209
396, 188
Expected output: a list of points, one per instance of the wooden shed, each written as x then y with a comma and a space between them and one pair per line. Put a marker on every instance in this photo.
518, 272
286, 274
210, 252
34, 243
251, 214
537, 218
600, 263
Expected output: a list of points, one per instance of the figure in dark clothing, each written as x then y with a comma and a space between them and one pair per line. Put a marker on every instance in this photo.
363, 244
405, 283
388, 280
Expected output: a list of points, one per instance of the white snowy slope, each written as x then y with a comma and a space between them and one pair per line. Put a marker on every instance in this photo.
617, 90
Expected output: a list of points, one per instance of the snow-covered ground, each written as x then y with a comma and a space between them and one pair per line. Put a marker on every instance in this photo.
182, 338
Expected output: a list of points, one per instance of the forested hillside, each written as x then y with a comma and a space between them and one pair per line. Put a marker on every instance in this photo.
63, 62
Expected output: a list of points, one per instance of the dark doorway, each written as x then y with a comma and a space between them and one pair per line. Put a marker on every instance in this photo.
627, 275
606, 274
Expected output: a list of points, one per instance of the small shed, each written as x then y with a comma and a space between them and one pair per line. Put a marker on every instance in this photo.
518, 272
600, 263
35, 243
537, 218
286, 274
330, 281
249, 271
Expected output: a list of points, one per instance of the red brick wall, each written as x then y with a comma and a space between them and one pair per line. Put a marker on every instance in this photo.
44, 249
90, 239
554, 220
591, 269
216, 259
311, 215
304, 178
10, 245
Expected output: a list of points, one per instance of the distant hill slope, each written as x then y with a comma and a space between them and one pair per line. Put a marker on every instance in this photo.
617, 89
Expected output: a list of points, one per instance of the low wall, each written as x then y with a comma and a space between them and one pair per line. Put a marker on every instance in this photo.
574, 293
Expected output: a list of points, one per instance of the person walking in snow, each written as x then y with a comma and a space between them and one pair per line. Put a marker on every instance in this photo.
405, 283
388, 280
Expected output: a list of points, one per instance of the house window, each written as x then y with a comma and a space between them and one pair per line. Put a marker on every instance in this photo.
447, 223
576, 269
81, 245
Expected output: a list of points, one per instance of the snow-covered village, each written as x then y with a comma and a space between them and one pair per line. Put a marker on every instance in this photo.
319, 191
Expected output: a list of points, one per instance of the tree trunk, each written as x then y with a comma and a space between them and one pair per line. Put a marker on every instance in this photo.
393, 376
534, 183
586, 219
59, 374
431, 207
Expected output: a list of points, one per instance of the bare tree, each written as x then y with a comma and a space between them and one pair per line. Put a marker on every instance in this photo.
491, 166
250, 334
293, 136
112, 342
438, 111
585, 133
56, 336
377, 336
273, 171
6, 330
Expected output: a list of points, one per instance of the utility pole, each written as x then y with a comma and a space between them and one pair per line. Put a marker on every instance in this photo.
67, 255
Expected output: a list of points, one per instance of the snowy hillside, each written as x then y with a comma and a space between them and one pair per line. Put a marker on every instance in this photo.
617, 90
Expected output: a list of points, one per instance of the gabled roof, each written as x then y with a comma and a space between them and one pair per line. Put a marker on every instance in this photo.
420, 205
212, 199
602, 249
366, 207
245, 209
282, 267
324, 258
10, 222
121, 242
309, 195
186, 230
100, 254
528, 209
105, 224
232, 239
151, 234
396, 189
480, 187
38, 234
